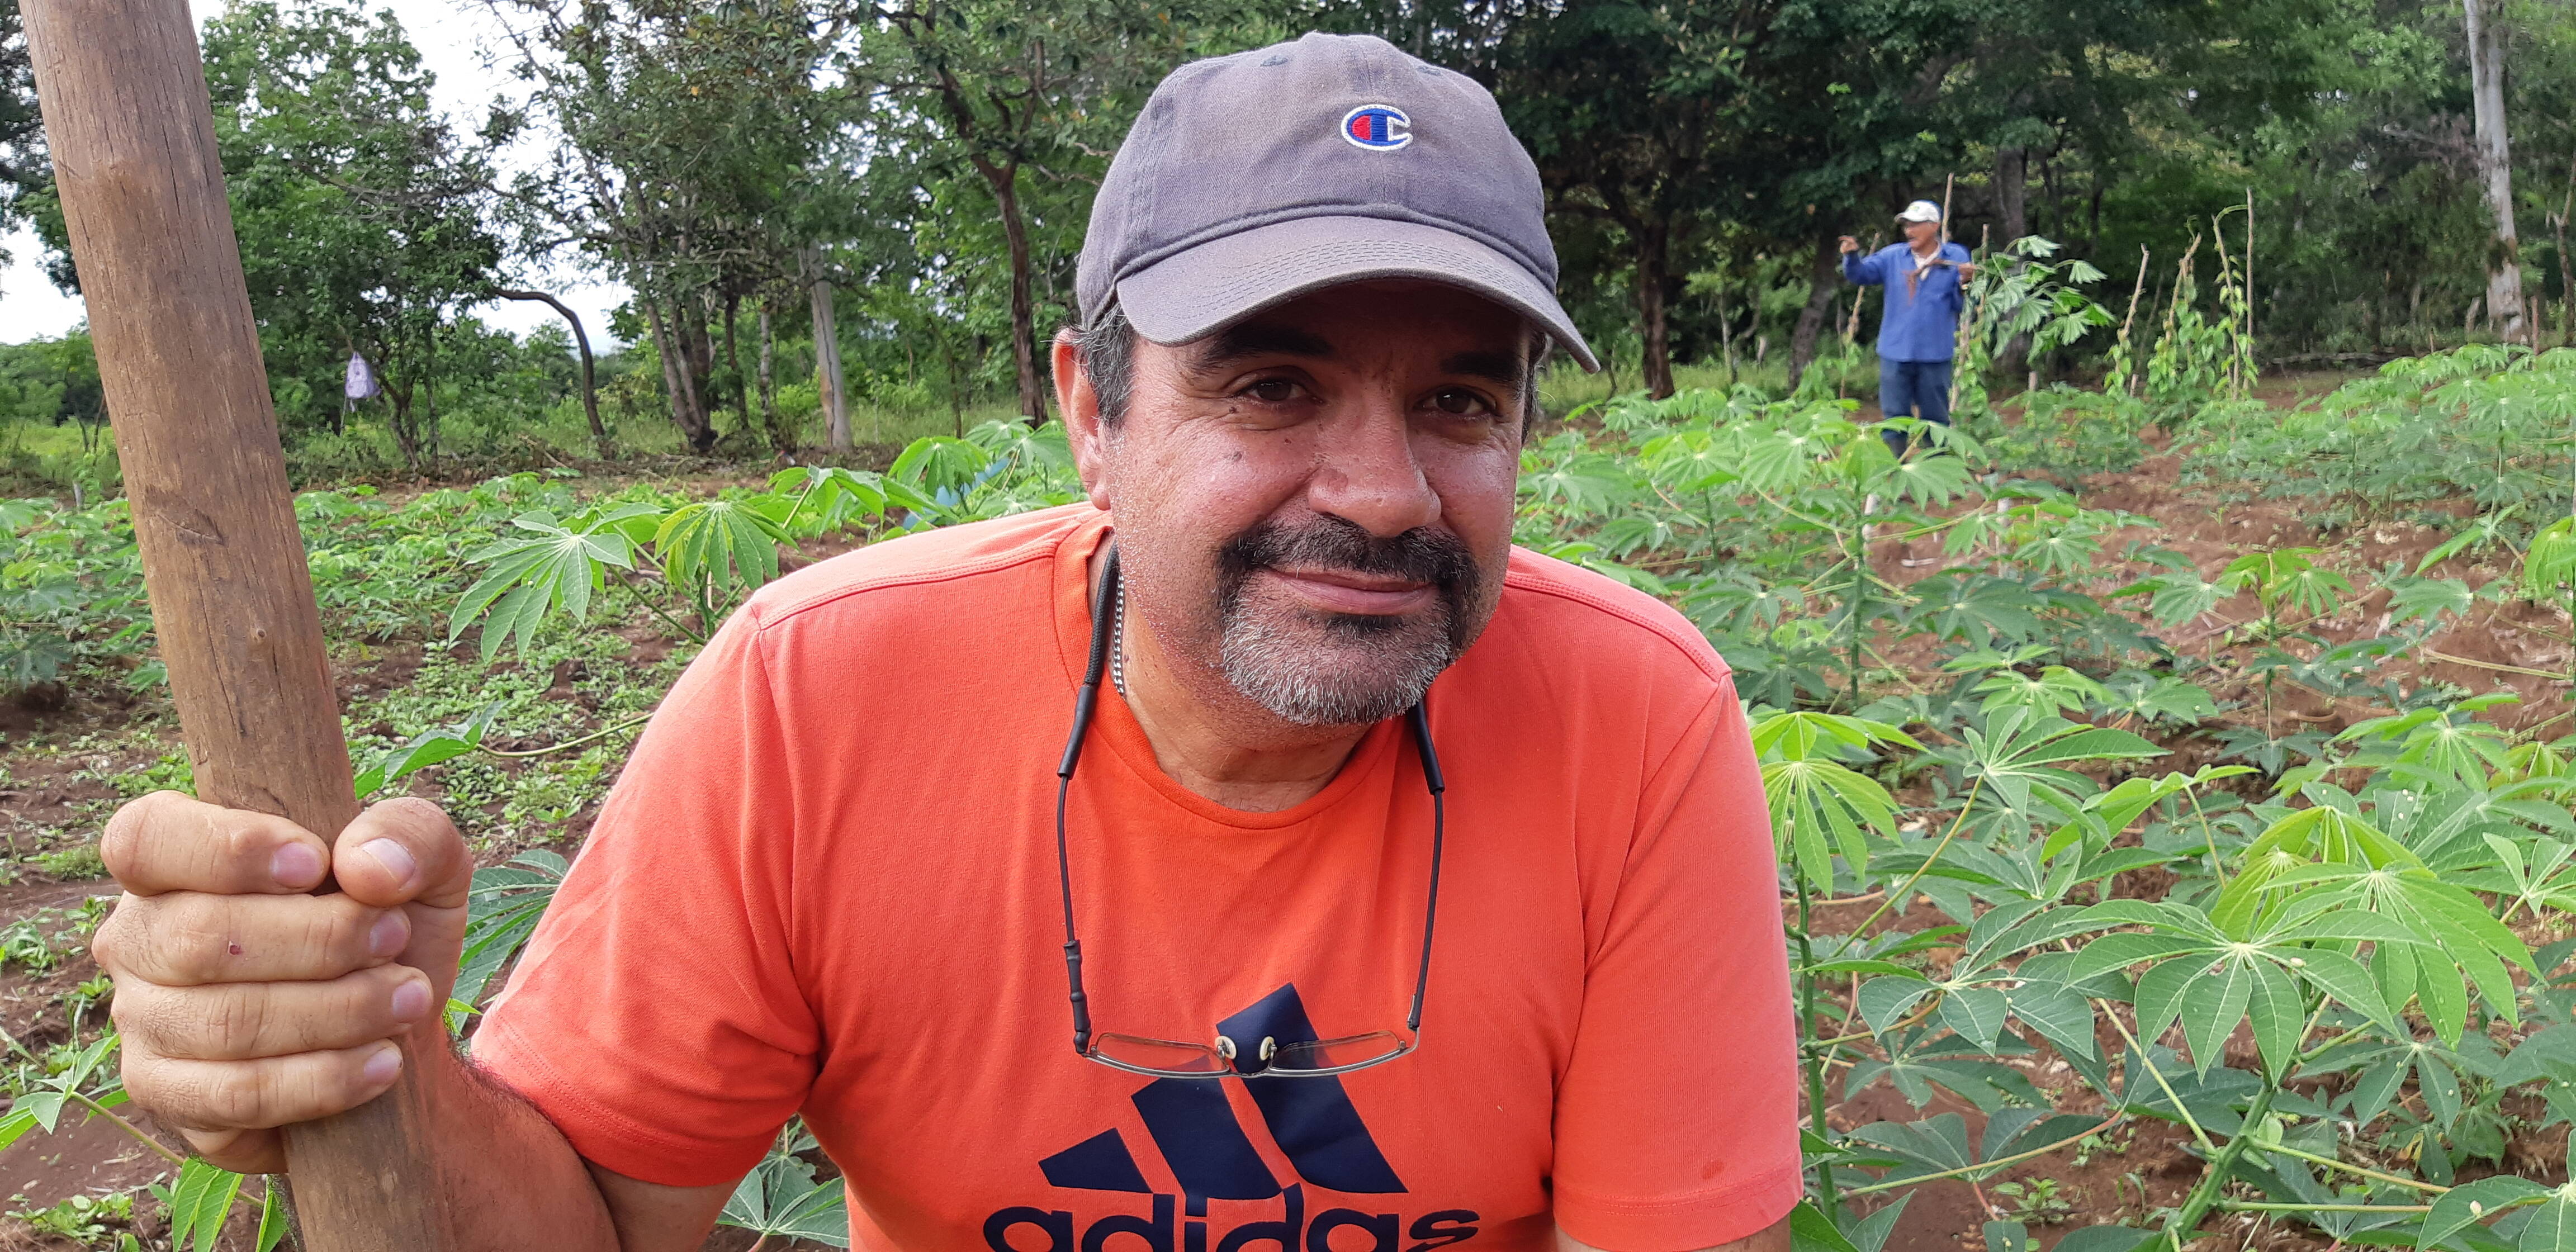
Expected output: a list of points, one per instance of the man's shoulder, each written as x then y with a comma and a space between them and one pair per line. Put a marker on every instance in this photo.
962, 560
1576, 617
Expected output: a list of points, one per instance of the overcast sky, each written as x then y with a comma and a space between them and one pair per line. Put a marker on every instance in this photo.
451, 39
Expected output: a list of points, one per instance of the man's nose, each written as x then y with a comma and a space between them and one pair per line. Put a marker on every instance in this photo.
1368, 474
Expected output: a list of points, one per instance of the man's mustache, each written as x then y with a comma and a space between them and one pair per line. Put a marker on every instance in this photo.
1420, 555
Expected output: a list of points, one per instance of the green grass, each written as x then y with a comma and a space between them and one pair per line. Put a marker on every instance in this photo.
42, 439
42, 459
78, 863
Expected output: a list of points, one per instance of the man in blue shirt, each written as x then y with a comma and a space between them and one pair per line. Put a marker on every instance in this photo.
1925, 277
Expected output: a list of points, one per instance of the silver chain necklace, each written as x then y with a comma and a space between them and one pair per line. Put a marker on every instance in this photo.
1118, 641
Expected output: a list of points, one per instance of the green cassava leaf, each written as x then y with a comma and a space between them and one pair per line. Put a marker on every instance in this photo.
2346, 981
272, 1215
2120, 951
717, 546
2058, 1012
2473, 1202
2280, 1015
1883, 1002
203, 1198
1811, 1231
1976, 1013
2553, 1228
2211, 1005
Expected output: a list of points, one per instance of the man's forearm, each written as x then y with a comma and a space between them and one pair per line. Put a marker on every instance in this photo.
511, 1179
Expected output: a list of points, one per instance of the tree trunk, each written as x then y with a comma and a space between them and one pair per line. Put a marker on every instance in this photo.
429, 394
685, 412
778, 438
732, 369
2495, 165
589, 368
2566, 267
1822, 279
1654, 321
692, 317
2566, 276
697, 368
668, 354
2012, 206
827, 357
733, 366
1726, 334
398, 407
2012, 192
1005, 180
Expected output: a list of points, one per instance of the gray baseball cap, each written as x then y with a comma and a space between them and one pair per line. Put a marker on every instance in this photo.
1253, 178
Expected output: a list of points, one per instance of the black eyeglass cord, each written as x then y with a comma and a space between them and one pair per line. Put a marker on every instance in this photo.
1086, 699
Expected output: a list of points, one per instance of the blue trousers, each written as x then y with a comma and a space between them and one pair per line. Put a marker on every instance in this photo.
1913, 389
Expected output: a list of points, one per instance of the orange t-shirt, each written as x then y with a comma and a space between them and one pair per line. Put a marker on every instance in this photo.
827, 883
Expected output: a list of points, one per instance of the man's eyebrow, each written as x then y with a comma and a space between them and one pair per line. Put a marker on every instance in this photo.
1505, 368
1252, 339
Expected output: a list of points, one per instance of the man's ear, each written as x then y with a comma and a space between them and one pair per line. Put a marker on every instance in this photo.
1080, 405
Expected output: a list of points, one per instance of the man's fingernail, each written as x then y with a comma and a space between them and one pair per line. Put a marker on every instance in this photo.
295, 865
389, 934
382, 1067
411, 1000
394, 857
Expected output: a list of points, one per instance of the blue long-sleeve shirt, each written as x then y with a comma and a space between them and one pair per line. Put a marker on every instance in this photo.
1921, 324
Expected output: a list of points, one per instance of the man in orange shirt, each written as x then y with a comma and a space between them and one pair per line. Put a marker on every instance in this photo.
1395, 888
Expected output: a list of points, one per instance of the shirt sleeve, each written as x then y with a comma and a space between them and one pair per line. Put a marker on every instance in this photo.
1868, 271
655, 1017
1676, 1122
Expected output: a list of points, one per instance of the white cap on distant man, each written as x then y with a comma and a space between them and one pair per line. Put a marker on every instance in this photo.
1920, 211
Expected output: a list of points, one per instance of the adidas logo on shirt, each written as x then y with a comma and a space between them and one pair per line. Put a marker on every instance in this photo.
1195, 1131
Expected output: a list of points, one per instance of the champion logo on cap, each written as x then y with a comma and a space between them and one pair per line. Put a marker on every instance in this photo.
1378, 127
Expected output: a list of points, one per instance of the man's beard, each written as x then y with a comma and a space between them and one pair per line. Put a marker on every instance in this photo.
1341, 669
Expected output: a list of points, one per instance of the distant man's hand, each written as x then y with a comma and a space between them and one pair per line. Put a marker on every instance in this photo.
1850, 244
248, 1004
1966, 271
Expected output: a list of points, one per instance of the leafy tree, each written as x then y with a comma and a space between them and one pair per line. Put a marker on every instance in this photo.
362, 215
53, 381
24, 168
1625, 107
1007, 89
693, 141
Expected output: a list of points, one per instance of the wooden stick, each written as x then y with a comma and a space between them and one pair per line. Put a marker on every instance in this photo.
2134, 292
2129, 382
1940, 251
2249, 266
125, 111
1976, 320
1851, 329
1948, 185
